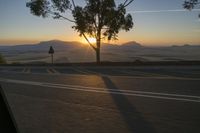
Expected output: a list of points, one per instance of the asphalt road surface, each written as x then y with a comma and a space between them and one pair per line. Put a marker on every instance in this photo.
104, 99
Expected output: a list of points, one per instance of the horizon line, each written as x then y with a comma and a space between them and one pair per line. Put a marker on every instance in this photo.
143, 44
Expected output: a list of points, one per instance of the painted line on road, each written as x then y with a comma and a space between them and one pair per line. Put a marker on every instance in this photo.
117, 76
49, 71
52, 71
55, 71
128, 91
24, 69
27, 70
93, 72
167, 77
166, 96
88, 72
129, 72
79, 70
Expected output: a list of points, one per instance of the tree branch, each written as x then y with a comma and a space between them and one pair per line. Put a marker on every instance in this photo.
95, 25
73, 3
57, 15
89, 41
67, 19
127, 4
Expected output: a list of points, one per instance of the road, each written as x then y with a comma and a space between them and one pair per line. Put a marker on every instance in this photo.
104, 99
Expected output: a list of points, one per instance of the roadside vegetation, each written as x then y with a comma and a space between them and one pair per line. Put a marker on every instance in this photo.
2, 60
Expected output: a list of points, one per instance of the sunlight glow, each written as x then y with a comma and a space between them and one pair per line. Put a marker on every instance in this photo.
92, 40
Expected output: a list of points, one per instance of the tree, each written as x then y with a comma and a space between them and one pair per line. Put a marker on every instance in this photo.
99, 19
51, 51
191, 4
2, 60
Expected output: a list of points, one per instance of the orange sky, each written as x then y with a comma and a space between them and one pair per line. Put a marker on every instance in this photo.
164, 24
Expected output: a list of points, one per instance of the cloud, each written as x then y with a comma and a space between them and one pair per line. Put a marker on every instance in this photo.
163, 11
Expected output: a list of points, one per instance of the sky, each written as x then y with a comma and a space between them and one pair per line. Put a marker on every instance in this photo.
156, 22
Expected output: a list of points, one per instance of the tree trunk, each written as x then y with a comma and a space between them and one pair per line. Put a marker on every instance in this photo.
98, 48
98, 55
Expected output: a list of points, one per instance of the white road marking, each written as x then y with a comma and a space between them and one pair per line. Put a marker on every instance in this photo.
80, 71
50, 72
124, 76
28, 70
54, 71
142, 77
166, 96
24, 69
92, 72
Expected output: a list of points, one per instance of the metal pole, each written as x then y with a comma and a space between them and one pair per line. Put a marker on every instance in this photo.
51, 58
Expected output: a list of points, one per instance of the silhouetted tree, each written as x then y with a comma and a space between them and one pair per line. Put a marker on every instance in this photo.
191, 4
51, 51
2, 60
100, 19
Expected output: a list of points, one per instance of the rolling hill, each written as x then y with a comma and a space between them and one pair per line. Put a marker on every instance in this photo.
77, 52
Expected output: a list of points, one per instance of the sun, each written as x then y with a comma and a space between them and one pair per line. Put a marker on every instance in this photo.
91, 40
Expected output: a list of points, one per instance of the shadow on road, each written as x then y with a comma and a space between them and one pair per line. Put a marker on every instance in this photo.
133, 118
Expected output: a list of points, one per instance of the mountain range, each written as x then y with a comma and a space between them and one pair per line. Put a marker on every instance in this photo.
78, 52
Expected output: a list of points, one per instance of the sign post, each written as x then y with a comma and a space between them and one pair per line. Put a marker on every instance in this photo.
51, 51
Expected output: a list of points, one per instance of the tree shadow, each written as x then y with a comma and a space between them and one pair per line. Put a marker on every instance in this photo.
133, 118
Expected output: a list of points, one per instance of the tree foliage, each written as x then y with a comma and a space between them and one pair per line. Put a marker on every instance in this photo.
103, 15
2, 60
100, 19
191, 4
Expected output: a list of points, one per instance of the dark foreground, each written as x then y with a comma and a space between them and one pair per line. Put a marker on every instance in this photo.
104, 99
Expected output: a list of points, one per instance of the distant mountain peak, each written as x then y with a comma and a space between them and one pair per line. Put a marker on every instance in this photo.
132, 44
51, 41
59, 42
184, 45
